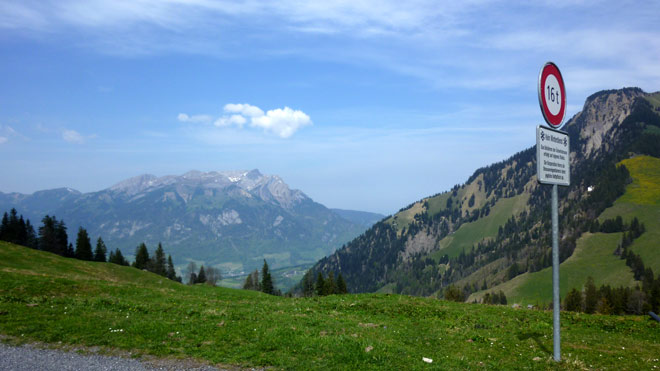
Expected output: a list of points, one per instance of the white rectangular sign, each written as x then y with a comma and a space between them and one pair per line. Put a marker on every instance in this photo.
552, 156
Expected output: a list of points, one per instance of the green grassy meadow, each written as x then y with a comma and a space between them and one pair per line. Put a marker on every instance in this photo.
62, 301
642, 200
593, 256
469, 234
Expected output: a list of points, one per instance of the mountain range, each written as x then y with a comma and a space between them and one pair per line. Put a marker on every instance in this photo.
493, 232
232, 220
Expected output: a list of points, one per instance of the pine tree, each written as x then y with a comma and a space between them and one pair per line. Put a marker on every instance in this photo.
52, 236
171, 273
4, 227
252, 281
83, 246
320, 284
201, 277
341, 285
330, 288
573, 301
117, 257
266, 280
62, 240
158, 261
503, 300
141, 257
31, 239
99, 252
11, 233
21, 232
591, 296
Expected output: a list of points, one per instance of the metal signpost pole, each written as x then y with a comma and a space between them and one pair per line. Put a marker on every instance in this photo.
553, 167
555, 275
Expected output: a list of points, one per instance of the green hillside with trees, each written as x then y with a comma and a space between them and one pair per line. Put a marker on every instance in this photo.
492, 233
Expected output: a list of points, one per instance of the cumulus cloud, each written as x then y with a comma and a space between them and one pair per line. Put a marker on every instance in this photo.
283, 122
194, 118
73, 136
244, 109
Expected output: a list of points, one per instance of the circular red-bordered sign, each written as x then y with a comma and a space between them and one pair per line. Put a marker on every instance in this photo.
552, 95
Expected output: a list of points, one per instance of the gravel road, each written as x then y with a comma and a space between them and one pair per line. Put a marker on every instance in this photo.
30, 358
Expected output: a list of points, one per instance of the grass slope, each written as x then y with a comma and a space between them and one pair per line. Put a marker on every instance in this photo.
642, 200
593, 257
470, 234
52, 299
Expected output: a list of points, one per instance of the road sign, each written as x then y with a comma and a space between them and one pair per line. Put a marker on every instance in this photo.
552, 156
552, 95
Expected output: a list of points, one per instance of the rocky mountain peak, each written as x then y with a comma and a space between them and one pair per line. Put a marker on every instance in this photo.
135, 184
602, 113
270, 188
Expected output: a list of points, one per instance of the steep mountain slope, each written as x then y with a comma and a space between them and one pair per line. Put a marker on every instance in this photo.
230, 219
496, 226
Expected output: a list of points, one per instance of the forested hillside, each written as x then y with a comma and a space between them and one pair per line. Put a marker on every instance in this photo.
496, 226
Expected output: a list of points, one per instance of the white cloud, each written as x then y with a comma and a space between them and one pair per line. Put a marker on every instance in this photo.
73, 136
194, 118
244, 109
3, 140
283, 122
237, 120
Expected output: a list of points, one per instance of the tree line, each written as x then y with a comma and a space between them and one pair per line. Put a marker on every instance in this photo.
53, 237
323, 286
208, 275
265, 285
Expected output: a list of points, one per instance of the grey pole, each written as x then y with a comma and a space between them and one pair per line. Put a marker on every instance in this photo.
555, 274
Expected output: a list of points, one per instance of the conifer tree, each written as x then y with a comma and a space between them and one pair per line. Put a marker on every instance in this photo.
247, 285
4, 227
341, 285
117, 257
171, 273
83, 245
31, 237
590, 296
320, 284
266, 280
201, 277
191, 273
21, 232
158, 262
11, 233
308, 284
329, 288
52, 236
100, 251
252, 281
63, 239
141, 256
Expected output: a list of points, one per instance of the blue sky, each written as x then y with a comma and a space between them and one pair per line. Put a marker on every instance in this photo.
366, 105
